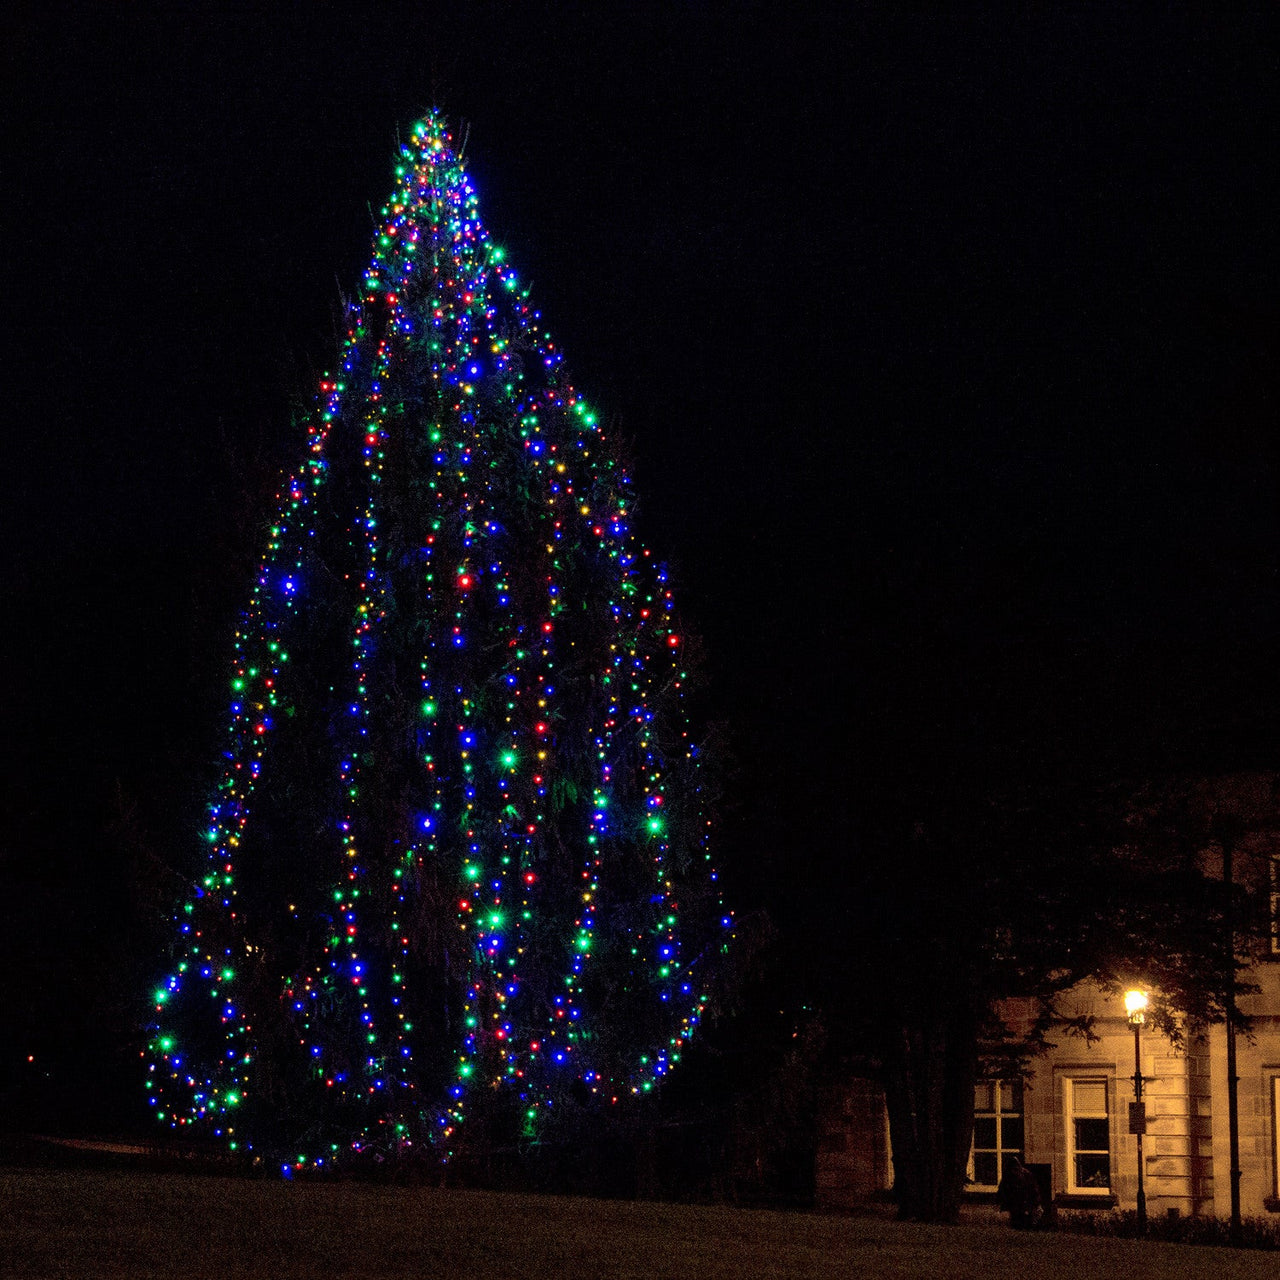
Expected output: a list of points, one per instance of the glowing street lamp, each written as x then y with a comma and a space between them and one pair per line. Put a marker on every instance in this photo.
1135, 1006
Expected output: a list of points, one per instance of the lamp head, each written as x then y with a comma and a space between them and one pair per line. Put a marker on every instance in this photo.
1135, 1005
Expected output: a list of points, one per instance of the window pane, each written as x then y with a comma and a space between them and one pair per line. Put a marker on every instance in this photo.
1093, 1171
1012, 1095
982, 1099
984, 1168
1091, 1135
1089, 1096
1011, 1133
984, 1132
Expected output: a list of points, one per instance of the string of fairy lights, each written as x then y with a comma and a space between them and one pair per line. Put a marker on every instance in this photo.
532, 740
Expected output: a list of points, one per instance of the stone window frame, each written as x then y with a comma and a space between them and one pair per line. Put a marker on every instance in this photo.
1104, 1075
1271, 1076
1016, 1090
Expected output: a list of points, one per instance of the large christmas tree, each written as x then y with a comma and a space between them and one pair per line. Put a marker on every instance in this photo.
457, 863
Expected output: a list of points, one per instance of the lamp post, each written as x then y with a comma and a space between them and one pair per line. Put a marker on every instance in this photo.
1135, 1005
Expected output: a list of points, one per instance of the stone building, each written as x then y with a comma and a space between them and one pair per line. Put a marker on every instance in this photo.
1071, 1116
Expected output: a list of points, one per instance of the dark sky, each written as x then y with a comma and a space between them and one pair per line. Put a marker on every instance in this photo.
946, 346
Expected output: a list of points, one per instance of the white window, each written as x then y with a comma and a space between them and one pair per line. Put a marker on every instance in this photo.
997, 1131
1088, 1135
1275, 1135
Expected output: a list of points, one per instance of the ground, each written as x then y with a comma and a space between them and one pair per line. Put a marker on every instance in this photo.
108, 1225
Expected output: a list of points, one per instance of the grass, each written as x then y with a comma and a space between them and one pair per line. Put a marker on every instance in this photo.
100, 1225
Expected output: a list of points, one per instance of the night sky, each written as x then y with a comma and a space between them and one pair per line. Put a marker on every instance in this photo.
946, 347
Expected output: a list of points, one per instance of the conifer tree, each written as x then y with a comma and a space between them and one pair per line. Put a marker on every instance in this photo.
456, 870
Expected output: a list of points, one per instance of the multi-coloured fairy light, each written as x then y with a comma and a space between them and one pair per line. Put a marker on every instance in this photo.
458, 852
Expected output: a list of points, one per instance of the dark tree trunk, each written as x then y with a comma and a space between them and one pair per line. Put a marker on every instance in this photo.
930, 1069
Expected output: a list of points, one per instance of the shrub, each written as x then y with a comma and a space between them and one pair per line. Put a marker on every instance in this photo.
1255, 1233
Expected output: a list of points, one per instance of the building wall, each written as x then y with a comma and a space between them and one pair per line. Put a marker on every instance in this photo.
1177, 1162
1257, 1067
1186, 1159
852, 1159
1186, 1156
